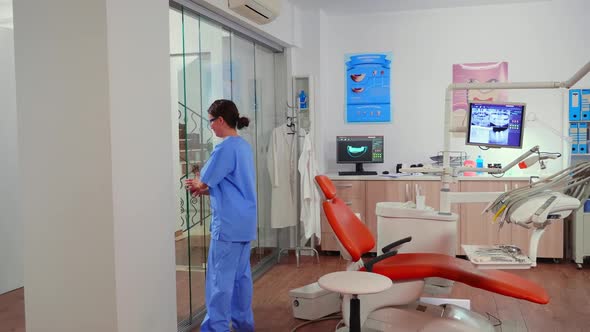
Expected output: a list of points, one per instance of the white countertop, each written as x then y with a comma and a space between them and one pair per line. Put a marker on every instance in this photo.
389, 177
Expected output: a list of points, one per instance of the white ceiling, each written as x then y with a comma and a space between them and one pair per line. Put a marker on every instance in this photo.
347, 7
5, 13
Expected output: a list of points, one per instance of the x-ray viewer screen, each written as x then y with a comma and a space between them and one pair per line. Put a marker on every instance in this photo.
495, 124
359, 149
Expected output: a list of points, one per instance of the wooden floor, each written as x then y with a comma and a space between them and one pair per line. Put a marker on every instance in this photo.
12, 311
569, 309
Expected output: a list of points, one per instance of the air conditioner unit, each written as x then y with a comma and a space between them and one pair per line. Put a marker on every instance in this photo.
259, 11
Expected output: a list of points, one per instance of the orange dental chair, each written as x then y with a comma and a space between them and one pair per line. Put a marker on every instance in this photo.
398, 309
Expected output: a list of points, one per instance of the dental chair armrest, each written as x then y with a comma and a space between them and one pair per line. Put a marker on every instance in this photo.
396, 244
369, 264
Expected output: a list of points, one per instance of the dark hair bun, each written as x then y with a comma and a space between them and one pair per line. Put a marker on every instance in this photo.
243, 122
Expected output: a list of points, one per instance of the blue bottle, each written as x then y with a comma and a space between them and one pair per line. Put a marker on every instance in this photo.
302, 100
479, 164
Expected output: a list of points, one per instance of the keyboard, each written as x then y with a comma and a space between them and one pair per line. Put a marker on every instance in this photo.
358, 173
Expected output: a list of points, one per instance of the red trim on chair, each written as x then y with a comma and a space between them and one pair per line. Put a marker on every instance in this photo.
354, 236
422, 265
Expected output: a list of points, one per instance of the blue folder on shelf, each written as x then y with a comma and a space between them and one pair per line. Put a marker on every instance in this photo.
582, 147
575, 105
585, 104
574, 133
582, 132
574, 148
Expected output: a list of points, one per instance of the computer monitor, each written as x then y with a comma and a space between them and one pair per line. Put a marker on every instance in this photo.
495, 124
358, 150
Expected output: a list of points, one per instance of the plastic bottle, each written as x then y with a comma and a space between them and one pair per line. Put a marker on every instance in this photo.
479, 163
302, 100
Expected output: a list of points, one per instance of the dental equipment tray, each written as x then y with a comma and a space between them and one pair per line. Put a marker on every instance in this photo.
499, 257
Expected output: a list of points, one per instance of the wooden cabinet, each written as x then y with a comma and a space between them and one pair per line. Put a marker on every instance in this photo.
473, 227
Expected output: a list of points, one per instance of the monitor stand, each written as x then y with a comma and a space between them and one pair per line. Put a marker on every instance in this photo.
359, 171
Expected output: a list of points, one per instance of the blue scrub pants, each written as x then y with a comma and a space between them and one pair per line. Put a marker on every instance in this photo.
228, 288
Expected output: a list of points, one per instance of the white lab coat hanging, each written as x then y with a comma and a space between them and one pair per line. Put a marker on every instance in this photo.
310, 197
282, 159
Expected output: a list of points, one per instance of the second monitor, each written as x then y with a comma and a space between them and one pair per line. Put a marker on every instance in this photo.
358, 150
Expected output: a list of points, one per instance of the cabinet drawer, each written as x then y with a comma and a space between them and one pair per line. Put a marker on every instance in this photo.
329, 242
357, 205
350, 189
325, 226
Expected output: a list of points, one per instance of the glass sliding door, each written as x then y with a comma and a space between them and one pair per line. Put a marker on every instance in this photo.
266, 117
186, 66
209, 62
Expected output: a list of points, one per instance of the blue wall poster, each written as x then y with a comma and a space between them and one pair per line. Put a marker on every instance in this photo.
368, 88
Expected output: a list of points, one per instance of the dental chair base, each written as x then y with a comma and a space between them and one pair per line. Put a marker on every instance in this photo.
426, 317
398, 309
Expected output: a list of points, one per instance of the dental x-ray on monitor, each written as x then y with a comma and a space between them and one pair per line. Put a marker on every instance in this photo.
496, 124
358, 150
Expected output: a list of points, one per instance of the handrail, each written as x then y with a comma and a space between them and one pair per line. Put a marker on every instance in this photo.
192, 111
197, 114
190, 222
199, 223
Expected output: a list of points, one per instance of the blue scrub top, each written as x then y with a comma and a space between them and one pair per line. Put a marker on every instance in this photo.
229, 173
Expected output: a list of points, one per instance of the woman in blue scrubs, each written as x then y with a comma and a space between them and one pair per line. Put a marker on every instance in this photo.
229, 178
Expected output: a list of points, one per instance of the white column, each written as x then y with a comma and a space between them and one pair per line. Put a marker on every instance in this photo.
95, 159
11, 227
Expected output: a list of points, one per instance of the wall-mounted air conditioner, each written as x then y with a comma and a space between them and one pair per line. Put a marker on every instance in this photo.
259, 11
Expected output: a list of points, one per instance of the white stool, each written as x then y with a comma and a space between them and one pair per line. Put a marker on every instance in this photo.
354, 283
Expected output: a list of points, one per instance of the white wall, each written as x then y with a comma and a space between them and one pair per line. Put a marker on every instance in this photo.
95, 158
11, 228
542, 41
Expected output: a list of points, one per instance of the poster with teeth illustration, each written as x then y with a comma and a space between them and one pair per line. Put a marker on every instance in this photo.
368, 87
485, 72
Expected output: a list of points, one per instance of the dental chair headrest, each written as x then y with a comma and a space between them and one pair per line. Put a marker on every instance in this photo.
326, 186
